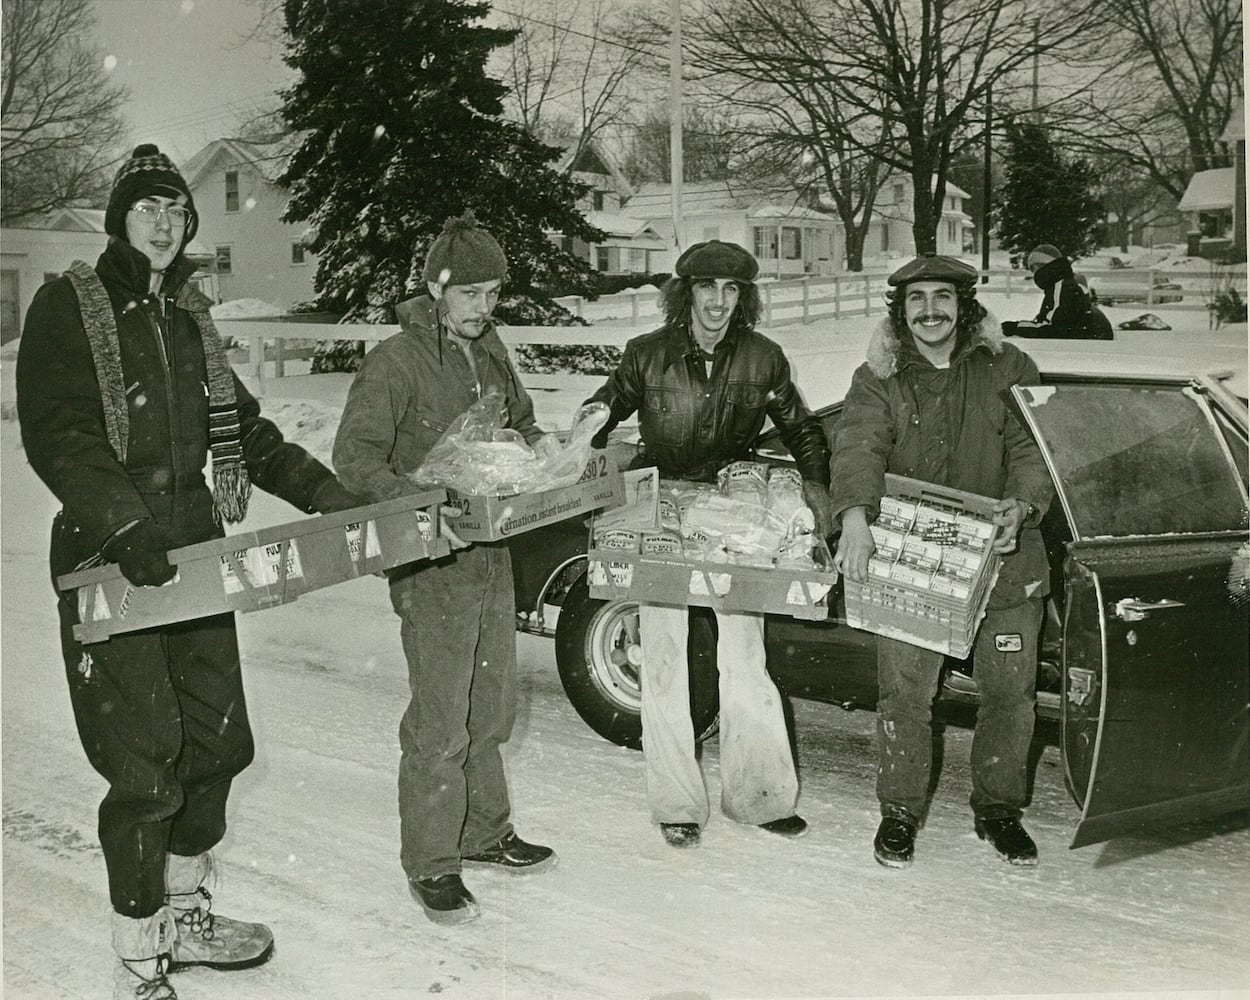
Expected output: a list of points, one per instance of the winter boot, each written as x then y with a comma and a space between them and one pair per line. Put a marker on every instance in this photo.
142, 945
204, 937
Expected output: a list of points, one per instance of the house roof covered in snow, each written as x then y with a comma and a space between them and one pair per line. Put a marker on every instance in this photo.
1208, 189
638, 230
268, 157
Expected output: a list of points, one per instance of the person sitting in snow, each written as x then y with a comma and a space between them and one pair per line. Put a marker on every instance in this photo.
1068, 310
123, 390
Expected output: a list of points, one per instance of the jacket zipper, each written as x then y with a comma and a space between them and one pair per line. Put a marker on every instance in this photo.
167, 364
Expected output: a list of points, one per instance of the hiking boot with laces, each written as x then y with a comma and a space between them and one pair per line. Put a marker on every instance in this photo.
207, 938
142, 947
142, 979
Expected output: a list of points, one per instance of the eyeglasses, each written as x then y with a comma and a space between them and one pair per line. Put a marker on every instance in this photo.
150, 212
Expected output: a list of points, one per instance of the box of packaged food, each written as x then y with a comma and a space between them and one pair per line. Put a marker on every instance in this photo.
490, 518
255, 570
663, 561
932, 590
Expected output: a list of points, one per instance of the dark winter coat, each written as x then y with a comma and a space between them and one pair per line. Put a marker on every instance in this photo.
408, 391
62, 419
950, 426
693, 422
1067, 310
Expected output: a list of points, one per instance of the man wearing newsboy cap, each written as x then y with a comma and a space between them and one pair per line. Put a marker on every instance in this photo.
702, 385
928, 404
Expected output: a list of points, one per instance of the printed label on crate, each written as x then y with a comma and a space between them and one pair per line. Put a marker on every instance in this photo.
370, 532
805, 594
700, 579
573, 504
261, 564
96, 610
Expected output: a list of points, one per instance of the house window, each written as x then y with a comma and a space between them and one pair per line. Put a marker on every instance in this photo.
297, 253
885, 237
232, 190
603, 259
598, 201
899, 194
950, 231
222, 255
637, 260
764, 239
791, 242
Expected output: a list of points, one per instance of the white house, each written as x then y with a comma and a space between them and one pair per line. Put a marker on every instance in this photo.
889, 235
786, 237
256, 256
46, 246
631, 246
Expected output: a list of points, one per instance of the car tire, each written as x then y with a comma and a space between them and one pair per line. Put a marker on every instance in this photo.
599, 656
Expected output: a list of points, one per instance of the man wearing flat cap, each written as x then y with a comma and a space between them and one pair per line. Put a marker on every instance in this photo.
928, 403
702, 386
457, 615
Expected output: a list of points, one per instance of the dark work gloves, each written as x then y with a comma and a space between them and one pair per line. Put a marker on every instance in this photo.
139, 550
332, 496
821, 503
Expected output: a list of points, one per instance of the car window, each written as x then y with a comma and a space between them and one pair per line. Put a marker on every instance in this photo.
1133, 459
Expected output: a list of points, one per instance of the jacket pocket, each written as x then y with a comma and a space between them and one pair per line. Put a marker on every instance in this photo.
744, 411
666, 417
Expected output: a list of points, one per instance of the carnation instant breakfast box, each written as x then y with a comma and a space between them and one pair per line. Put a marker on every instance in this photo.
618, 569
490, 518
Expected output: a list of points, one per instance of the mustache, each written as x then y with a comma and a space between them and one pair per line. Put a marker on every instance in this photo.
929, 317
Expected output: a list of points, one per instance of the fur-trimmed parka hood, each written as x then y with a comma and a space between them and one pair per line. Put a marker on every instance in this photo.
884, 347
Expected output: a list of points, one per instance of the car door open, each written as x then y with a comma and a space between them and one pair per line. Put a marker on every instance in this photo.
1156, 675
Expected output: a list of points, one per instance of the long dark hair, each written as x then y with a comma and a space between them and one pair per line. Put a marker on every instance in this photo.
969, 316
677, 298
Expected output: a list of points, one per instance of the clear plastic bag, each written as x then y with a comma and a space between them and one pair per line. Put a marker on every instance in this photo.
477, 455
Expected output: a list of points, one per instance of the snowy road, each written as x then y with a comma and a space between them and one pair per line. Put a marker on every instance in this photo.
313, 848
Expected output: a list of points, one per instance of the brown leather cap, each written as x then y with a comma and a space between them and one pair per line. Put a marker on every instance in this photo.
714, 259
934, 267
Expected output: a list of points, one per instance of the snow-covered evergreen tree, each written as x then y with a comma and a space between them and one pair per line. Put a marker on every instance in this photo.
402, 130
1045, 197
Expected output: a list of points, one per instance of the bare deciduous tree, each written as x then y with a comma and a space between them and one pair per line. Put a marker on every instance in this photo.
1162, 105
60, 119
568, 69
902, 82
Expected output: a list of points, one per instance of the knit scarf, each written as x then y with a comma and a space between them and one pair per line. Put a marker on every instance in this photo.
231, 486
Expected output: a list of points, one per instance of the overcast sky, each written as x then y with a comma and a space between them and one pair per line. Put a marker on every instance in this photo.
192, 73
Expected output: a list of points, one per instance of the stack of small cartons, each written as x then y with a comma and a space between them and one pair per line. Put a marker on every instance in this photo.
933, 569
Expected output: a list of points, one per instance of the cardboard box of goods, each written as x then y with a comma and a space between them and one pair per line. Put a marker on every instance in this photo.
490, 518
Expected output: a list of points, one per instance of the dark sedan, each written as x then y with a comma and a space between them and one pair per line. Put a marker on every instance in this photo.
1144, 658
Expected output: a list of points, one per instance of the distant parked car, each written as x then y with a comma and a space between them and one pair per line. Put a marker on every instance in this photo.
1111, 293
1144, 657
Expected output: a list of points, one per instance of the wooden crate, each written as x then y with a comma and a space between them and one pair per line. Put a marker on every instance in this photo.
255, 570
912, 612
678, 580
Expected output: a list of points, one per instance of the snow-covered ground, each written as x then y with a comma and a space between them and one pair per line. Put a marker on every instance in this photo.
313, 842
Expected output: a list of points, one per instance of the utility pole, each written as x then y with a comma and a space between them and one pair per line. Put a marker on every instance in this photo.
986, 181
676, 165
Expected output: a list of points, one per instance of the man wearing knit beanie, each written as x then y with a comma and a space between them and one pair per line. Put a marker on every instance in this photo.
123, 392
457, 615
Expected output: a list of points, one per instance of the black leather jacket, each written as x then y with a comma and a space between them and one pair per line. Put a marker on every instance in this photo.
694, 422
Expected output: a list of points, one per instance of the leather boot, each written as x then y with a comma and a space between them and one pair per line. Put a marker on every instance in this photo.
204, 937
895, 843
1009, 839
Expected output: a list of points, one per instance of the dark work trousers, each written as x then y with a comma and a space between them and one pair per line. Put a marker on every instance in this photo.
1005, 668
458, 621
162, 717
